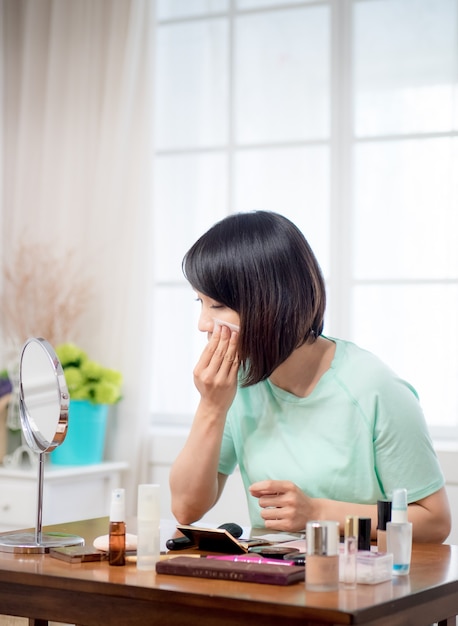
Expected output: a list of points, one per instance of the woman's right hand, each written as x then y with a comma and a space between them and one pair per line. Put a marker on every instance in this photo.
215, 374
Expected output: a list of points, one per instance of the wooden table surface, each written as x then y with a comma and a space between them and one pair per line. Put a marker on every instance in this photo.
94, 594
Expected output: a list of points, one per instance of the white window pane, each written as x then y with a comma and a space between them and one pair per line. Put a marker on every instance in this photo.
176, 347
190, 194
258, 4
406, 216
282, 75
172, 9
191, 84
405, 55
414, 329
290, 181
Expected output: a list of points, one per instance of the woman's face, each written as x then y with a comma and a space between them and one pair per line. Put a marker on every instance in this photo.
213, 312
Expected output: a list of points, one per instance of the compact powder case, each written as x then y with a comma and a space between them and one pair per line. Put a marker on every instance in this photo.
273, 552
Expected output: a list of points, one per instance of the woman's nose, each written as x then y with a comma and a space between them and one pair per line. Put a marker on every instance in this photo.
206, 323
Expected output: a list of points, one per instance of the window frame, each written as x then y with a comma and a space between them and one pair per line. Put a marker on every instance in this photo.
342, 144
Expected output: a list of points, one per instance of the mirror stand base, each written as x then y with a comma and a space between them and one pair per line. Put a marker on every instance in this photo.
26, 543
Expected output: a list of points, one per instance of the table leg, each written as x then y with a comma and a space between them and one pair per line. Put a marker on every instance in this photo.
38, 622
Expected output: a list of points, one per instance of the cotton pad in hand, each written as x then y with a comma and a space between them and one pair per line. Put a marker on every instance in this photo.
222, 323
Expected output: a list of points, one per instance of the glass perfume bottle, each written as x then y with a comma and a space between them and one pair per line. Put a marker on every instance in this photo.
348, 557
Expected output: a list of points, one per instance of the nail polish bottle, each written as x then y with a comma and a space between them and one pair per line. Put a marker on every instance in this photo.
364, 533
347, 563
383, 517
148, 522
117, 529
399, 534
322, 539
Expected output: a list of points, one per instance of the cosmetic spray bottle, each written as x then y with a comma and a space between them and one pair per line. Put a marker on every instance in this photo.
383, 517
148, 522
399, 534
117, 529
322, 538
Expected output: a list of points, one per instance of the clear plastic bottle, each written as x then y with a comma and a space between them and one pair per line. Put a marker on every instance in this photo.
399, 534
148, 523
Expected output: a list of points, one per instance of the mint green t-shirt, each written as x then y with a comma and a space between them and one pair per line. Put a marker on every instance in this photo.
360, 434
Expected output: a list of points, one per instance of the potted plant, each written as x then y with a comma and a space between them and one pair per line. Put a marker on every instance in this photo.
92, 388
86, 379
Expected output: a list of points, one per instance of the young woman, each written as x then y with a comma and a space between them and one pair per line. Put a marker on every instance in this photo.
319, 427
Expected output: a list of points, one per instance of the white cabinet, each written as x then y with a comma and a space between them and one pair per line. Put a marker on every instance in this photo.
69, 493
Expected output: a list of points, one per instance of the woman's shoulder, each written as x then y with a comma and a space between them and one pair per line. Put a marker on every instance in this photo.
363, 368
349, 354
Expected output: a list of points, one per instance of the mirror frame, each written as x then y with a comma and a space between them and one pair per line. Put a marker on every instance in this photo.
38, 542
32, 434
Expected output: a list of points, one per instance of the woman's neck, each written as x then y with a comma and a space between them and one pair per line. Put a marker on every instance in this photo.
302, 370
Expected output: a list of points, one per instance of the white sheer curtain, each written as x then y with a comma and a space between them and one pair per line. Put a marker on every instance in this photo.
76, 173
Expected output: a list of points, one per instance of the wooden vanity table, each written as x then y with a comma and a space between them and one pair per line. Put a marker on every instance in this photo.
42, 588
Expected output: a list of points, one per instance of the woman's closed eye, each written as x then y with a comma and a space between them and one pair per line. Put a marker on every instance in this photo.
211, 305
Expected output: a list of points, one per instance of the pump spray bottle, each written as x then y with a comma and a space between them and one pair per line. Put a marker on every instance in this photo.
117, 530
399, 534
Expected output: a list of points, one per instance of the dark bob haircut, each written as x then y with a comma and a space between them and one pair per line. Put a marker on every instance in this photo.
260, 265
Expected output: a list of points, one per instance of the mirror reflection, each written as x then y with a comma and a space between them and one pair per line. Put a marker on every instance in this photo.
43, 405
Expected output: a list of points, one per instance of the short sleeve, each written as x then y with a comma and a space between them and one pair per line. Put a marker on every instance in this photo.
401, 433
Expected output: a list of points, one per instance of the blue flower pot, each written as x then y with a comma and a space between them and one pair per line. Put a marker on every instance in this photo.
85, 440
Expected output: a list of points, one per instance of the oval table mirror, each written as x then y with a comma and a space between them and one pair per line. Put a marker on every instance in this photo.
43, 404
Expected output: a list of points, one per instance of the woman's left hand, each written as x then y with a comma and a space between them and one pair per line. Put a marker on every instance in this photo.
284, 506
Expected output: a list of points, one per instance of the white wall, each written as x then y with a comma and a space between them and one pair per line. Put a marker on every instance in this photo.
165, 445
